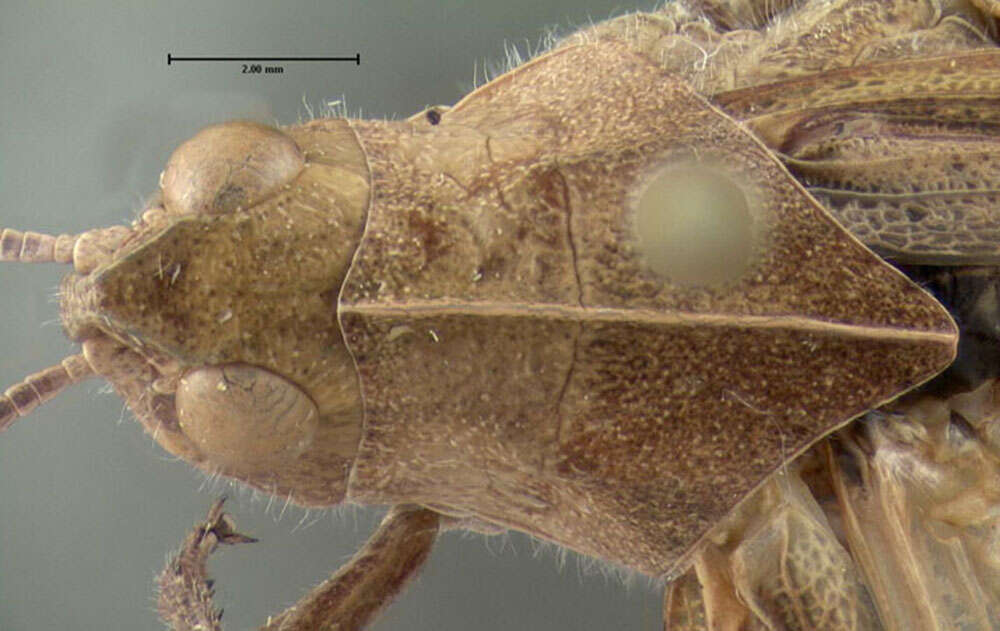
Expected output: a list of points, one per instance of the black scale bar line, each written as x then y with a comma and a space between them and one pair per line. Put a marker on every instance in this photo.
355, 58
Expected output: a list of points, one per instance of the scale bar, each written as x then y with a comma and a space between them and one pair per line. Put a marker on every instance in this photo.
355, 58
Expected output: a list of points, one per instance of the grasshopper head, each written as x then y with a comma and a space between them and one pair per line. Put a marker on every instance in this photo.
214, 314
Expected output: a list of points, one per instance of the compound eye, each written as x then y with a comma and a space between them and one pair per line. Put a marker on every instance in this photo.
245, 418
695, 226
229, 166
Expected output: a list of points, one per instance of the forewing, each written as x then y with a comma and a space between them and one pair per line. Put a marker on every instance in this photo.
905, 154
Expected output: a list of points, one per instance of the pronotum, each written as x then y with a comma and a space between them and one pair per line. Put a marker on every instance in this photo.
598, 503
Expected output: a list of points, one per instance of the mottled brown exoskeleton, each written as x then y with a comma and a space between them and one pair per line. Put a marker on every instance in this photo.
604, 300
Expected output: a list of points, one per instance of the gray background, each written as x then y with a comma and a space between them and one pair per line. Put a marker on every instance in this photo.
89, 506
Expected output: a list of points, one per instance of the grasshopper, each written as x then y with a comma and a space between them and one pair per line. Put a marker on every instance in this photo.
641, 330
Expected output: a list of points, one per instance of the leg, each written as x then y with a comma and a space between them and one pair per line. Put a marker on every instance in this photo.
684, 605
348, 600
357, 592
185, 591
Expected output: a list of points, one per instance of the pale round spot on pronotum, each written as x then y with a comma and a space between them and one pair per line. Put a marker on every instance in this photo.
695, 224
229, 166
244, 418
